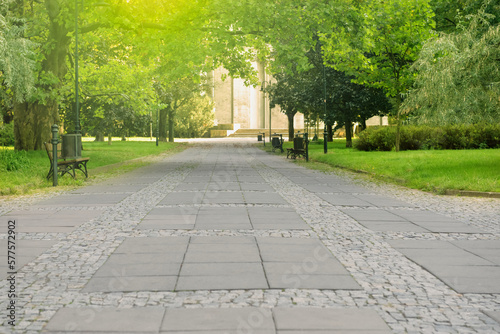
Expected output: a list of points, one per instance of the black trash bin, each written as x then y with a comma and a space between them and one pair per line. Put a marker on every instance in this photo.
259, 137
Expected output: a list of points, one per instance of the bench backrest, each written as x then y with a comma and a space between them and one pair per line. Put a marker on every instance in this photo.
48, 148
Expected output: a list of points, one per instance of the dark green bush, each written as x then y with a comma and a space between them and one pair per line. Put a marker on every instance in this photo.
450, 137
7, 134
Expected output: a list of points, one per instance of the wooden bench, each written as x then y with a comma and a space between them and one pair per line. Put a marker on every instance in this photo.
300, 147
66, 166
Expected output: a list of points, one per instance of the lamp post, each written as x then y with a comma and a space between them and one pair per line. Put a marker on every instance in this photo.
325, 132
77, 102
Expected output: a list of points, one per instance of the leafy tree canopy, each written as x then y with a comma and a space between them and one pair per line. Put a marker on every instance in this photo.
459, 75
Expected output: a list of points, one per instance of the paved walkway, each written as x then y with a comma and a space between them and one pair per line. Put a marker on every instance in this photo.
225, 238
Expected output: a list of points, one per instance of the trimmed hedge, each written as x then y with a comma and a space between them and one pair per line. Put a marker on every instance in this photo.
449, 137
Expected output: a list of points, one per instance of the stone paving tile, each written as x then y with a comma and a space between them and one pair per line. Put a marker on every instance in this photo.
456, 263
98, 320
84, 200
216, 320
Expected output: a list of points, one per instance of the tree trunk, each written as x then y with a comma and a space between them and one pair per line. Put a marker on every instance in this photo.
348, 133
99, 136
398, 121
291, 130
163, 125
110, 140
171, 115
329, 129
32, 121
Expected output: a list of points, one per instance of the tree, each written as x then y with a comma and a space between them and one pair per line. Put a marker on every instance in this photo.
16, 55
346, 102
459, 75
288, 92
377, 42
195, 117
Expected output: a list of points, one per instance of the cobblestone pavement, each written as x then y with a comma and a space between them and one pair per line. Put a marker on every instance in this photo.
224, 225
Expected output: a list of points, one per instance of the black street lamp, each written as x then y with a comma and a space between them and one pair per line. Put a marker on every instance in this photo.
325, 132
77, 102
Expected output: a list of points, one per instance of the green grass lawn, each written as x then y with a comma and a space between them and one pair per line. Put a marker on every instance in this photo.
429, 170
29, 169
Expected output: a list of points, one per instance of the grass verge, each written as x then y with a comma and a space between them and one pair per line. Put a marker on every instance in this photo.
429, 170
25, 172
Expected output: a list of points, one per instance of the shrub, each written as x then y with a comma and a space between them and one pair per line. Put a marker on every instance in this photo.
7, 134
450, 137
11, 160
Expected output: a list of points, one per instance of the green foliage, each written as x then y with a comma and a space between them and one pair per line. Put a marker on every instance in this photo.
377, 42
426, 137
194, 118
7, 134
16, 55
459, 76
13, 160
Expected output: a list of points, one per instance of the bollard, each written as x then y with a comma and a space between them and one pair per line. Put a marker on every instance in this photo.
55, 141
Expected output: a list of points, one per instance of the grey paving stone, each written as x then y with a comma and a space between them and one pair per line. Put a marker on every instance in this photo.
343, 200
216, 269
115, 188
495, 315
472, 245
160, 212
370, 215
378, 200
244, 320
473, 285
185, 223
282, 226
422, 244
201, 187
99, 320
130, 284
328, 266
49, 221
492, 255
214, 197
180, 197
313, 319
218, 247
255, 280
263, 198
256, 187
392, 226
126, 258
319, 188
448, 227
251, 179
138, 269
84, 200
215, 257
222, 240
422, 216
167, 246
433, 257
218, 186
330, 282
